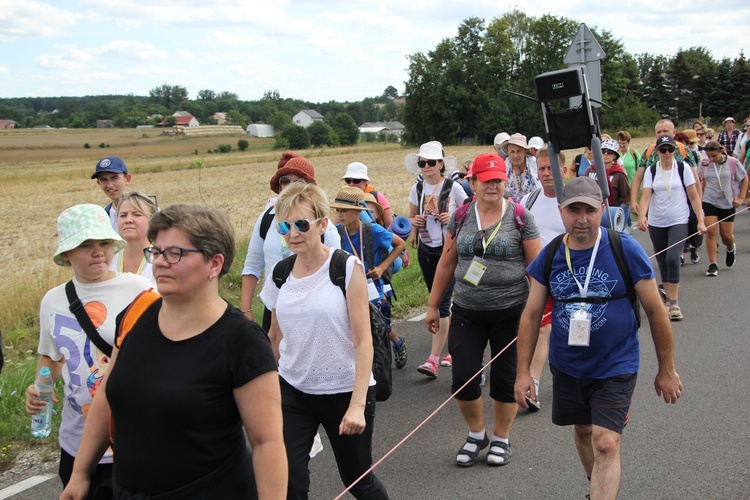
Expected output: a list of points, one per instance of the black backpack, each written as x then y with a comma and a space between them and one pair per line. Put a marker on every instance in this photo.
445, 192
616, 244
381, 361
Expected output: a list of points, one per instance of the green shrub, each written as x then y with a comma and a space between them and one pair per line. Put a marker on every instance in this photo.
86, 146
102, 145
242, 144
223, 148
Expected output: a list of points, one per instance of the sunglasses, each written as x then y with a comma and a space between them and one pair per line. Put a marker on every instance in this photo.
341, 211
424, 163
608, 152
301, 225
700, 134
477, 245
349, 180
667, 150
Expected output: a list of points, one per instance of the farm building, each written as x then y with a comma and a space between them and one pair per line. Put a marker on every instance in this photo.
395, 128
7, 123
181, 120
306, 117
221, 118
260, 130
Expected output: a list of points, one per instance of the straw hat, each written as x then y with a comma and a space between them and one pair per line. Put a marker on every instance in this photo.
351, 198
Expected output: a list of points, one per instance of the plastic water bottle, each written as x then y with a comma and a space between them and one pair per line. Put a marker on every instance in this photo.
41, 423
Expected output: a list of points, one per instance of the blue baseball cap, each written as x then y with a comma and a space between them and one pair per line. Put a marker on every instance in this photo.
110, 164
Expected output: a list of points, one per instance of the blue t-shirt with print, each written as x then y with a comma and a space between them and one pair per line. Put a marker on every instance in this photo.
613, 344
381, 240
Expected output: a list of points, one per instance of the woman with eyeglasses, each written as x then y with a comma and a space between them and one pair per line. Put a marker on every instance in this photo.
488, 246
668, 187
189, 380
724, 189
432, 201
266, 247
133, 215
323, 344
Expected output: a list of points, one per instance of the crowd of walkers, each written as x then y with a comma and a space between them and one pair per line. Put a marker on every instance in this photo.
185, 374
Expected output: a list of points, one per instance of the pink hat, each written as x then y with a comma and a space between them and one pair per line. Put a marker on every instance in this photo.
298, 166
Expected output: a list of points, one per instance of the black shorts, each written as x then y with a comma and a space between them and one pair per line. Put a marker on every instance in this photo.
721, 213
605, 402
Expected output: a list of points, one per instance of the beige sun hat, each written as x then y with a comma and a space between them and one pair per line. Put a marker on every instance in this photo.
81, 223
518, 140
349, 197
432, 150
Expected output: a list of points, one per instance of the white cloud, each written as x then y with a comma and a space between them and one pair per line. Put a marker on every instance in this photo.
131, 49
25, 18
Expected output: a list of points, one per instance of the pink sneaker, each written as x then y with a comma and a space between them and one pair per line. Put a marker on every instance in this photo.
429, 368
446, 361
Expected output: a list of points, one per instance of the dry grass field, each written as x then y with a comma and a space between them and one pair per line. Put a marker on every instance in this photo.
43, 172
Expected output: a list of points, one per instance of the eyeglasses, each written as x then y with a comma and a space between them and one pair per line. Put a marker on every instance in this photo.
666, 150
341, 211
301, 225
477, 244
424, 163
700, 134
283, 181
349, 180
172, 255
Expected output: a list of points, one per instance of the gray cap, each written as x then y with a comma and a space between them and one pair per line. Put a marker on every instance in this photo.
582, 190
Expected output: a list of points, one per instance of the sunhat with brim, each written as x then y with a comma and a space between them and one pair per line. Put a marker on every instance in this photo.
728, 119
518, 140
369, 198
501, 138
349, 198
81, 223
356, 170
298, 166
432, 150
611, 145
691, 135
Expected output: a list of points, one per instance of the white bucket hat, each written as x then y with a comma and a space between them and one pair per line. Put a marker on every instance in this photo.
501, 138
80, 223
432, 150
536, 142
356, 170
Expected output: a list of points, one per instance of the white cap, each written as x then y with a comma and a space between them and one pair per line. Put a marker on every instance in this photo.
536, 142
501, 138
356, 170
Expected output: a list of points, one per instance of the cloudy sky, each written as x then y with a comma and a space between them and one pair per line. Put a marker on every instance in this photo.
316, 50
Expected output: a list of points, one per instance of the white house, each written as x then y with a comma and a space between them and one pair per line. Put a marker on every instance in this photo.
306, 117
260, 130
391, 128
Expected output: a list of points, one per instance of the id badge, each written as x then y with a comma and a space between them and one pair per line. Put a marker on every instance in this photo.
424, 235
476, 271
580, 328
372, 290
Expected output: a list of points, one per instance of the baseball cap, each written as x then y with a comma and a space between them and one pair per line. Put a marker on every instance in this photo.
488, 166
666, 139
582, 190
110, 164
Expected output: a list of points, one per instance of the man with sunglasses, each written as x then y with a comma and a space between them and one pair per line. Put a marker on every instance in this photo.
594, 351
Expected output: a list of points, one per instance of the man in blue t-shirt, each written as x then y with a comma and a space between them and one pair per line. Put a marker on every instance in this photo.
593, 348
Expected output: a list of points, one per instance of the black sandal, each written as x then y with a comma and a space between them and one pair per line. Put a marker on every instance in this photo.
472, 454
504, 454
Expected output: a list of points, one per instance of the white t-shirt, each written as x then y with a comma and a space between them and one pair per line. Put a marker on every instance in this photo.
547, 216
669, 202
61, 337
264, 254
145, 269
429, 203
316, 353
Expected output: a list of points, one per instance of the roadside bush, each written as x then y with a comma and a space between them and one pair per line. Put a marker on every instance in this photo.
242, 144
86, 146
102, 145
223, 148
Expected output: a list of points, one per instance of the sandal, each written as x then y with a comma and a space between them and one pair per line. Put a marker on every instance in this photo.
498, 454
471, 454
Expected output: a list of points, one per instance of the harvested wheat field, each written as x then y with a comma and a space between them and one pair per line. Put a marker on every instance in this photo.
32, 200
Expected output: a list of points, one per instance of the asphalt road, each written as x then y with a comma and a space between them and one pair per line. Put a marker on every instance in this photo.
696, 449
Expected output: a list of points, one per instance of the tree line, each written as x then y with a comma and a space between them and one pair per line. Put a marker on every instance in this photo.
456, 92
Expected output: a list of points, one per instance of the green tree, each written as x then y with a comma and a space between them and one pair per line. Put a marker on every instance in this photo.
279, 120
298, 137
206, 95
167, 95
345, 128
690, 73
390, 92
320, 134
234, 117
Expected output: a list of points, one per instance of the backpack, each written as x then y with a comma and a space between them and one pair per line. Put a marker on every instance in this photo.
616, 244
532, 198
369, 246
442, 200
680, 147
265, 222
381, 360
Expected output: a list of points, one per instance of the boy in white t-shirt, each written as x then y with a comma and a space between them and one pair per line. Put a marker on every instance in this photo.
88, 244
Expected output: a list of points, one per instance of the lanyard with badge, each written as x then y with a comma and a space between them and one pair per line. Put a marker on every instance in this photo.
478, 265
668, 184
424, 234
579, 332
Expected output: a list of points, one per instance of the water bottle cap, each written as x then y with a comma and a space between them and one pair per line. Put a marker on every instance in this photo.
44, 371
